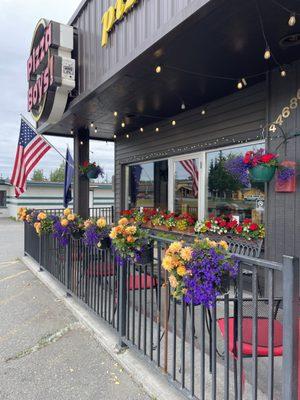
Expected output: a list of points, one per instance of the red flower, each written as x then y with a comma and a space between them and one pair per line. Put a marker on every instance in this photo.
232, 224
208, 224
239, 229
253, 227
223, 224
247, 221
247, 157
85, 164
266, 158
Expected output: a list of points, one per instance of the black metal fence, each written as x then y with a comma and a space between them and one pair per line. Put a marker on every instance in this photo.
94, 212
244, 347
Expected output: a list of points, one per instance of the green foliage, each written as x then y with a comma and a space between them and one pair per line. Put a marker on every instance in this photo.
58, 175
219, 180
38, 175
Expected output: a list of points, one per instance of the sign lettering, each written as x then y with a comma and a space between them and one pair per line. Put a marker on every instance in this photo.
115, 14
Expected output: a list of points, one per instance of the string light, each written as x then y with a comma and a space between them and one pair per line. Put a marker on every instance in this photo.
92, 124
267, 54
81, 143
183, 106
158, 69
203, 112
115, 113
283, 73
239, 85
292, 20
71, 131
127, 136
156, 129
173, 122
141, 129
115, 136
123, 124
96, 130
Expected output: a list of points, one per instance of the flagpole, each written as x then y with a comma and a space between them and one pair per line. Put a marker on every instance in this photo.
46, 140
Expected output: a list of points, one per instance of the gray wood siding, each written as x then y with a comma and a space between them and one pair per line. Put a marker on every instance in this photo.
283, 223
238, 116
140, 29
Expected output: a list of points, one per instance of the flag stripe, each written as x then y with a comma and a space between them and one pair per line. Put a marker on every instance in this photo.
191, 167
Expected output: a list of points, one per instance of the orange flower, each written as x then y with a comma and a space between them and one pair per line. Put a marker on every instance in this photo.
130, 239
123, 221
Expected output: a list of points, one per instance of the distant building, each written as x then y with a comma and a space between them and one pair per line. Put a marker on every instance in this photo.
49, 195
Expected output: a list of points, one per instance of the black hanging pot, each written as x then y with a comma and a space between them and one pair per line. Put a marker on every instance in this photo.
225, 283
145, 256
76, 235
104, 244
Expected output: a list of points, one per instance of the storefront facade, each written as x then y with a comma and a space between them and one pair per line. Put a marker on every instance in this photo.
174, 126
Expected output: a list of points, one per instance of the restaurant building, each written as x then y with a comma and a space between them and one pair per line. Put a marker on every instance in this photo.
181, 87
176, 84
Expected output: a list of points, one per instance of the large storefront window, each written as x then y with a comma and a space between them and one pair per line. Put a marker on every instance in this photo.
148, 185
186, 187
225, 195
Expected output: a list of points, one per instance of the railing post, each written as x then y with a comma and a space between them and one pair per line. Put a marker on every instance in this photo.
40, 253
67, 268
112, 215
290, 275
123, 265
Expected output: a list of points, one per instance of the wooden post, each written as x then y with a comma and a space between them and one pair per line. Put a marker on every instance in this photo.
81, 183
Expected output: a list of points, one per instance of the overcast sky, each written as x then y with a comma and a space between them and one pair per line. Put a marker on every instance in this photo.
18, 19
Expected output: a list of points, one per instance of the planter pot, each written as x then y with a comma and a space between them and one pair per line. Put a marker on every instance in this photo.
146, 256
77, 234
262, 173
225, 283
92, 173
105, 243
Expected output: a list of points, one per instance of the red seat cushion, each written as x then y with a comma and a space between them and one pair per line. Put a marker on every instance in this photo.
262, 336
135, 282
101, 270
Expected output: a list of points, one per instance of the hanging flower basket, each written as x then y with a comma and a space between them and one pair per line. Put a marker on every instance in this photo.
91, 170
104, 244
262, 173
93, 173
145, 256
76, 235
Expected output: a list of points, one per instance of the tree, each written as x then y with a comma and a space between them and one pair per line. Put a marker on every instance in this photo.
38, 175
58, 175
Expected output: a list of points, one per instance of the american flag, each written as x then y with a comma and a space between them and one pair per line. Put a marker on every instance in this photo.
191, 167
31, 149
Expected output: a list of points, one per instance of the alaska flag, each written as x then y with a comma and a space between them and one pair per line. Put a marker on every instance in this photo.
69, 173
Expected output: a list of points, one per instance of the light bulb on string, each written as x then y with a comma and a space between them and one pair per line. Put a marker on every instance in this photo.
115, 136
157, 130
123, 124
141, 129
183, 106
96, 130
203, 112
267, 54
92, 124
292, 20
158, 69
72, 131
173, 123
115, 113
127, 136
283, 73
239, 85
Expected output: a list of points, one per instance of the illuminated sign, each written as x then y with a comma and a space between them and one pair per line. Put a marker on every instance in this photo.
113, 15
50, 71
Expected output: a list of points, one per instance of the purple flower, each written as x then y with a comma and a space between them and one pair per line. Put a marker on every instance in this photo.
93, 235
285, 174
61, 233
238, 169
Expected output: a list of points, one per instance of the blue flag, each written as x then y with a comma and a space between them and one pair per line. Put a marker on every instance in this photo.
69, 173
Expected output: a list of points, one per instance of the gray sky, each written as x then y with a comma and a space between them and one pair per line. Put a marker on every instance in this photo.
17, 22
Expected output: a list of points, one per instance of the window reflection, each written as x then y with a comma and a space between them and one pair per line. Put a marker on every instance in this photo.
227, 196
186, 187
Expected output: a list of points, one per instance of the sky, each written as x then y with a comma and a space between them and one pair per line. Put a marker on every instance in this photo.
18, 19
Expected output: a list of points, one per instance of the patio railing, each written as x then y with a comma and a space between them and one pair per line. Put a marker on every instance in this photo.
244, 347
94, 212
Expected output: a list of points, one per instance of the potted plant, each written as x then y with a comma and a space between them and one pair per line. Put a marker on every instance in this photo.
96, 233
91, 170
201, 272
132, 242
75, 224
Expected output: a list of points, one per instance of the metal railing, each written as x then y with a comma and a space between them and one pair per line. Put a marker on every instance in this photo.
94, 212
244, 347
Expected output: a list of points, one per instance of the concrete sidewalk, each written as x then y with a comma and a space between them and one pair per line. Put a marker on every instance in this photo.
45, 353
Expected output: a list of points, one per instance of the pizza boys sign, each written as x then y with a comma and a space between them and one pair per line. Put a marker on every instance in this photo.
50, 71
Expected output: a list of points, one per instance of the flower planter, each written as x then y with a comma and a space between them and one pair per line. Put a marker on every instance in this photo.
76, 235
145, 256
92, 173
262, 173
104, 243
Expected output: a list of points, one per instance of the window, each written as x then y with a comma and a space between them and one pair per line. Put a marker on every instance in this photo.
148, 185
186, 187
224, 195
2, 198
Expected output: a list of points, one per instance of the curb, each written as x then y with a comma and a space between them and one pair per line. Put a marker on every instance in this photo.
153, 382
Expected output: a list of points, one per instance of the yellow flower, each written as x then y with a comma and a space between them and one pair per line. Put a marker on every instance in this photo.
212, 243
167, 263
186, 253
67, 211
123, 221
130, 230
223, 244
173, 281
174, 247
101, 223
181, 271
41, 216
113, 233
64, 222
71, 217
36, 225
28, 218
